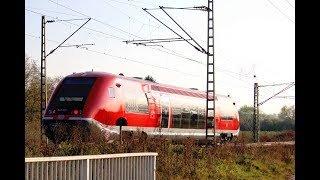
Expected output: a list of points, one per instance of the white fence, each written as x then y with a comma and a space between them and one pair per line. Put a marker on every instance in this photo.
127, 166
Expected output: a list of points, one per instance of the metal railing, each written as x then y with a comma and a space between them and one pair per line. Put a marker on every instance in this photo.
140, 166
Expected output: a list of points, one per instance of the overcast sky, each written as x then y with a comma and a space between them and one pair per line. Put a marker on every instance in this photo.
251, 37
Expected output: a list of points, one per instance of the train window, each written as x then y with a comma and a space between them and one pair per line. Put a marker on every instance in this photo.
111, 92
227, 118
136, 101
201, 117
185, 119
83, 81
176, 116
187, 112
194, 120
70, 99
71, 95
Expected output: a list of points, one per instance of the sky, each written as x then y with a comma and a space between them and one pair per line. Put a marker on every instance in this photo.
254, 42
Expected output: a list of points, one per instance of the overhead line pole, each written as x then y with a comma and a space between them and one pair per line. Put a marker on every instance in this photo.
210, 90
211, 97
256, 121
43, 83
43, 88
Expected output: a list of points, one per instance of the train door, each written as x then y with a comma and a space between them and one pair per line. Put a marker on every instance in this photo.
165, 112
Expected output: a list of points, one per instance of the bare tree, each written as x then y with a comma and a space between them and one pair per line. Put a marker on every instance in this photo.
32, 88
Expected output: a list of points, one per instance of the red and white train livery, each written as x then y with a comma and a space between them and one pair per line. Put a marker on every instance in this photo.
109, 100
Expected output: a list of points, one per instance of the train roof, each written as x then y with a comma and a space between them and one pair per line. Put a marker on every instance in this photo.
154, 85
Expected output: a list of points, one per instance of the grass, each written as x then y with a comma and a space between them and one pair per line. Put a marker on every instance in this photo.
186, 160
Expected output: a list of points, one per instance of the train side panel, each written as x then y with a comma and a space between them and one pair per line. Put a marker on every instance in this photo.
105, 103
139, 104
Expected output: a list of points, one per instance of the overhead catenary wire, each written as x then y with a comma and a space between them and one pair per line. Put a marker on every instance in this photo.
135, 61
292, 84
281, 11
276, 84
169, 28
118, 29
57, 12
227, 72
93, 30
129, 59
290, 3
143, 2
135, 6
126, 3
152, 48
285, 97
151, 40
155, 40
100, 21
50, 21
128, 15
68, 38
200, 48
79, 45
132, 60
202, 8
100, 32
279, 84
171, 52
172, 30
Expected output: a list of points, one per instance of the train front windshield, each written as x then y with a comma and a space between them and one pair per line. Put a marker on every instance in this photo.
71, 97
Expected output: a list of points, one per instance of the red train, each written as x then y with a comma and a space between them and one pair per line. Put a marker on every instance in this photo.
110, 101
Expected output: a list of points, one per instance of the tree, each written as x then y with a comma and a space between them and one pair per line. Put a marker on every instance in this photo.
150, 78
287, 118
32, 89
287, 113
246, 118
269, 122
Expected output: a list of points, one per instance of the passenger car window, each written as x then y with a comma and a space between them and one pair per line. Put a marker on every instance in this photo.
111, 92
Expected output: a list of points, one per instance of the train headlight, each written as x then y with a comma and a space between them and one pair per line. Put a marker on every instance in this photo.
76, 112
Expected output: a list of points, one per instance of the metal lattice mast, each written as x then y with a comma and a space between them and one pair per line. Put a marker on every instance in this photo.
210, 105
256, 122
43, 97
